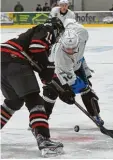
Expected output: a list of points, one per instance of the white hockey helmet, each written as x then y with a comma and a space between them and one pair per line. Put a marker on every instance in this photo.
70, 42
63, 2
69, 21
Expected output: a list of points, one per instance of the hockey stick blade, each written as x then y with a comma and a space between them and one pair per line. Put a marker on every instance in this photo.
102, 128
106, 131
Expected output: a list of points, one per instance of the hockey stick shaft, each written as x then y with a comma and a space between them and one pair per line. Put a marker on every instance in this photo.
102, 129
31, 61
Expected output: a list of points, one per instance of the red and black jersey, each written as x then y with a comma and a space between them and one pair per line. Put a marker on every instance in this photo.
35, 42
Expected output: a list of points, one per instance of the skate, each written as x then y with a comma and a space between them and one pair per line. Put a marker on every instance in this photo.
49, 148
99, 119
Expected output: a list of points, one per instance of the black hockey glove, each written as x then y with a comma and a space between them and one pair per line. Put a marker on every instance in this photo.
47, 73
67, 96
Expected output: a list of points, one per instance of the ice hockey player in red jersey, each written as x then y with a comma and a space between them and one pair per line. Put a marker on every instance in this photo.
19, 84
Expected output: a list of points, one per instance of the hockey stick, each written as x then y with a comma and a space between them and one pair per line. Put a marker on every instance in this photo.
31, 61
102, 128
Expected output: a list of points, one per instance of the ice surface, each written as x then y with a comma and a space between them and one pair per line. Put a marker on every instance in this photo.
88, 143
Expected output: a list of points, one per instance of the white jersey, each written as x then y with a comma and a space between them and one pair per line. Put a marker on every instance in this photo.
55, 12
65, 64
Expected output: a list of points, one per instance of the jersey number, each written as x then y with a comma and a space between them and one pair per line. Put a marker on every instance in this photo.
65, 76
49, 37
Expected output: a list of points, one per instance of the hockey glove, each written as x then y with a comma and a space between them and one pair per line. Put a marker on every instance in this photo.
47, 73
79, 85
67, 96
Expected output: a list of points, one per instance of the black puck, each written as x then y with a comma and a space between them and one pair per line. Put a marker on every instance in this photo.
76, 128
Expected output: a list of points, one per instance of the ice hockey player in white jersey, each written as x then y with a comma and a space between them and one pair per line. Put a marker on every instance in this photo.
62, 11
71, 71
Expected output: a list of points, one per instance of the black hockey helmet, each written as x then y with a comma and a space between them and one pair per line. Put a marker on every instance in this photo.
57, 25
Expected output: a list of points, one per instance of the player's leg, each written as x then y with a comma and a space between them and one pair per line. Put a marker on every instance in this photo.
39, 123
12, 102
90, 101
49, 96
89, 98
26, 86
8, 108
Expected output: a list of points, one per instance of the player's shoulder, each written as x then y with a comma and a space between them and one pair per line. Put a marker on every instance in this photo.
71, 12
55, 9
82, 31
42, 30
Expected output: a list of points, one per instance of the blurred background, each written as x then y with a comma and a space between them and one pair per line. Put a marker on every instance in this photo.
46, 5
34, 12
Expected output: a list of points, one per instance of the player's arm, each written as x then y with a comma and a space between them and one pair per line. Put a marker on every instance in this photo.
70, 89
86, 69
84, 38
68, 79
73, 15
71, 84
53, 13
39, 49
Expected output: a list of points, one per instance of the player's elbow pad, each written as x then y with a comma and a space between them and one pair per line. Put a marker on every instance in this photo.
78, 86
